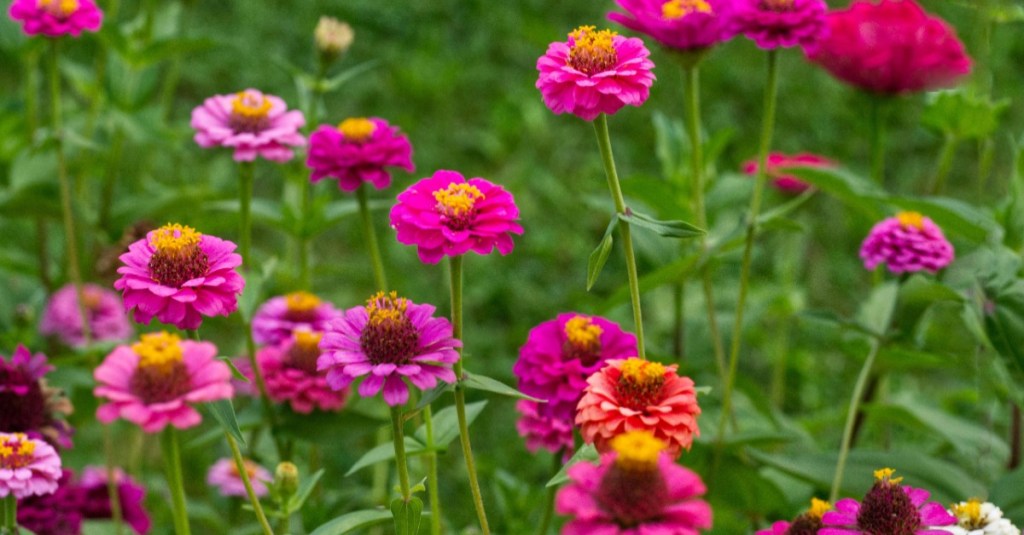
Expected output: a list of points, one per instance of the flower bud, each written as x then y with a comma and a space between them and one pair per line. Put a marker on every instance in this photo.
286, 480
333, 38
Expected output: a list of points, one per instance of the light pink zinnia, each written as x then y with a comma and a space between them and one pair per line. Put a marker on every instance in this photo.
552, 434
906, 243
387, 341
778, 160
225, 477
107, 318
891, 47
28, 466
289, 371
446, 215
636, 490
687, 25
781, 23
253, 123
154, 382
179, 275
276, 319
358, 150
594, 72
54, 18
888, 508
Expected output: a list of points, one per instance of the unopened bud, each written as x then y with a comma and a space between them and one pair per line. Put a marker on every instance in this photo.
286, 479
333, 37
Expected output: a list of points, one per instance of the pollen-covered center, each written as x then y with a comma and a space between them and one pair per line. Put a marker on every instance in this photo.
161, 374
583, 340
640, 383
592, 51
968, 514
16, 451
250, 469
911, 220
389, 336
304, 351
357, 129
457, 204
250, 111
301, 306
887, 508
177, 258
810, 522
61, 9
633, 489
777, 5
677, 9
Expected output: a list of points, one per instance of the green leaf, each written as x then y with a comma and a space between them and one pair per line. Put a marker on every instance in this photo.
234, 369
385, 452
954, 216
407, 515
587, 452
781, 211
965, 436
334, 83
429, 396
852, 190
600, 255
299, 499
1004, 324
669, 229
876, 312
224, 412
476, 381
963, 116
446, 424
353, 522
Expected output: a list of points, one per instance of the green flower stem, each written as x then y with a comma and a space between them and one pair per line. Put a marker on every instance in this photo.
876, 115
370, 236
115, 496
246, 173
455, 271
10, 514
244, 474
398, 436
851, 416
65, 189
770, 93
172, 464
432, 480
944, 164
43, 253
604, 142
306, 194
549, 499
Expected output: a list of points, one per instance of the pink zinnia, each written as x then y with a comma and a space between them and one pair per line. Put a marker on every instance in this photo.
633, 394
806, 524
594, 72
636, 490
28, 467
54, 18
154, 382
179, 275
891, 47
389, 340
907, 243
289, 371
778, 160
28, 404
781, 23
358, 150
107, 318
446, 215
253, 123
276, 319
687, 25
225, 477
540, 431
888, 508
131, 495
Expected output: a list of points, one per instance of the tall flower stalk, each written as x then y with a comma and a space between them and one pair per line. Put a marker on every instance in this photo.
171, 450
243, 472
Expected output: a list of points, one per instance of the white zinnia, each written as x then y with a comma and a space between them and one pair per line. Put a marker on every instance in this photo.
979, 518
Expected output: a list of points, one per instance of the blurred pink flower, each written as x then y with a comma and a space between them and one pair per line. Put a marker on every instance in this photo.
888, 508
107, 318
59, 513
27, 404
253, 123
28, 466
594, 72
276, 320
357, 151
289, 371
907, 243
777, 160
225, 477
781, 23
54, 18
686, 25
552, 434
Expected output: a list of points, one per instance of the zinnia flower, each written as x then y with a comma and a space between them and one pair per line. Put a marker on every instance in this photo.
594, 72
28, 467
388, 340
225, 477
107, 318
887, 508
276, 319
687, 25
289, 371
975, 517
28, 404
131, 495
154, 382
446, 215
777, 160
59, 513
806, 524
253, 123
781, 23
540, 431
633, 394
357, 151
891, 47
636, 490
54, 18
906, 243
179, 276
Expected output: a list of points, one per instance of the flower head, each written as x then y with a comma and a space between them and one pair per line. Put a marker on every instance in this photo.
891, 47
783, 182
975, 517
28, 404
253, 123
358, 150
542, 431
806, 524
887, 508
130, 493
225, 477
686, 25
907, 243
636, 489
332, 37
276, 320
28, 466
154, 382
594, 72
633, 394
446, 215
389, 340
107, 318
54, 18
59, 513
781, 23
179, 275
289, 371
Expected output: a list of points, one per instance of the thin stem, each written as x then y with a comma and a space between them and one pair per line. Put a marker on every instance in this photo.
877, 121
32, 95
112, 487
455, 271
430, 458
370, 236
253, 499
851, 416
172, 464
944, 164
246, 172
604, 142
398, 436
549, 499
43, 254
306, 199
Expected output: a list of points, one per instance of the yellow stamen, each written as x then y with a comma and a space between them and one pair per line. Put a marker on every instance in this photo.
16, 445
638, 450
307, 340
642, 372
160, 351
250, 469
357, 129
59, 8
250, 105
582, 332
778, 5
592, 51
677, 9
969, 511
301, 301
885, 474
818, 508
92, 298
386, 308
174, 239
911, 219
457, 200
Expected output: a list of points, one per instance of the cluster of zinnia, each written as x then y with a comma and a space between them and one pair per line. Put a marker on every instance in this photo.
85, 498
29, 405
907, 243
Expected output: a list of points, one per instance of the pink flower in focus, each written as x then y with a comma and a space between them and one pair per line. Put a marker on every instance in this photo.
28, 466
636, 490
55, 18
253, 123
276, 319
807, 523
781, 23
179, 275
387, 341
131, 495
891, 47
888, 508
777, 160
594, 72
289, 371
552, 434
907, 243
107, 318
687, 25
446, 215
154, 382
357, 151
225, 477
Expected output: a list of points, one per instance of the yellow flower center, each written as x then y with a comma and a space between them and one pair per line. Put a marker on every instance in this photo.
583, 333
389, 335
642, 372
159, 352
911, 219
16, 451
174, 239
59, 8
592, 51
357, 129
640, 383
885, 474
305, 350
249, 111
301, 302
818, 508
250, 469
457, 203
677, 9
969, 513
386, 308
178, 258
638, 450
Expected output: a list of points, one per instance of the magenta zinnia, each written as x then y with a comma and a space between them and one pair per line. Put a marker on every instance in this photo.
781, 23
289, 371
54, 18
686, 25
356, 151
106, 315
785, 182
542, 431
447, 215
251, 122
387, 341
154, 382
276, 320
887, 508
131, 495
28, 467
907, 243
27, 404
179, 275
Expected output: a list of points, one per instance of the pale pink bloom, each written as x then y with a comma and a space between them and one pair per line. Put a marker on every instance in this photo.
107, 318
224, 476
28, 466
253, 123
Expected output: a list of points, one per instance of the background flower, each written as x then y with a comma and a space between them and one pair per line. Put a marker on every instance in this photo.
356, 151
781, 23
54, 18
107, 318
276, 320
289, 371
906, 243
28, 404
131, 495
225, 477
252, 123
777, 160
678, 24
